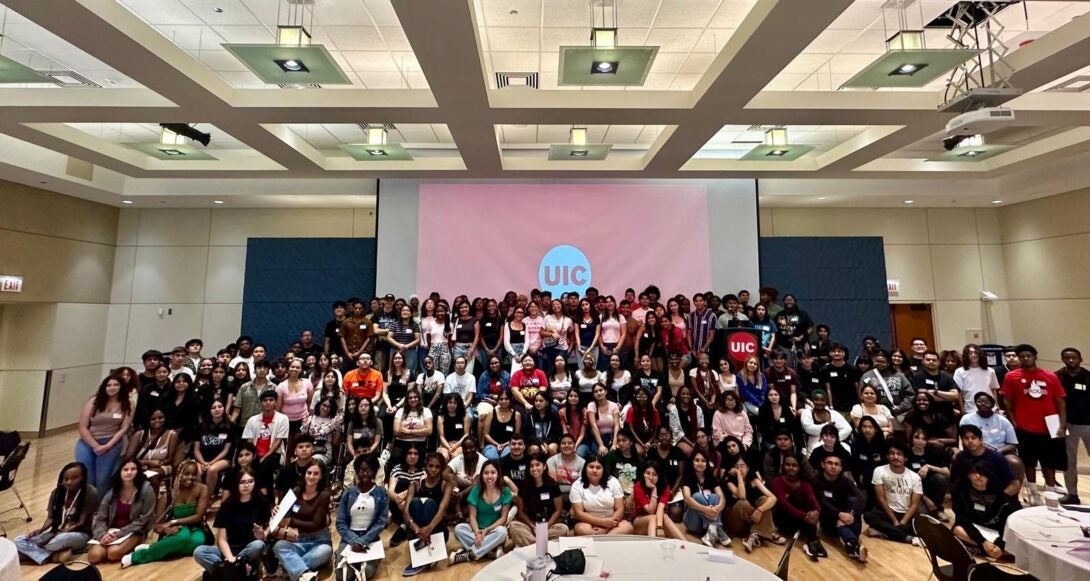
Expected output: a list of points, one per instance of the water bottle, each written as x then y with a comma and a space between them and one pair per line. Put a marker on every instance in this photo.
536, 569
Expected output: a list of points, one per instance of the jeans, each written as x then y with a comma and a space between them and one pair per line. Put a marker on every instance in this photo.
697, 523
848, 534
181, 544
54, 542
423, 510
519, 349
462, 350
303, 555
1075, 434
546, 358
411, 362
370, 568
208, 555
493, 540
493, 453
99, 468
589, 447
604, 354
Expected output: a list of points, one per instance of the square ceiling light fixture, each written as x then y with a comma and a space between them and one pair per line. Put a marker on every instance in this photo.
604, 63
376, 148
275, 64
577, 148
776, 148
12, 72
907, 63
171, 152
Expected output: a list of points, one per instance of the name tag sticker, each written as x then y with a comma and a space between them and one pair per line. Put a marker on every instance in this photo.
828, 493
834, 374
156, 393
979, 507
673, 462
929, 381
916, 465
362, 327
223, 436
1080, 386
583, 326
782, 420
545, 496
862, 456
117, 416
815, 380
488, 324
457, 426
295, 508
510, 428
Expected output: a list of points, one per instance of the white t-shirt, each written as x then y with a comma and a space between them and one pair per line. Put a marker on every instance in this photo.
619, 380
433, 331
899, 487
596, 500
413, 422
563, 472
973, 381
586, 384
459, 384
362, 513
884, 417
458, 466
430, 383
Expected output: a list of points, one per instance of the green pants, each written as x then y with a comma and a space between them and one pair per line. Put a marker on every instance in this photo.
180, 544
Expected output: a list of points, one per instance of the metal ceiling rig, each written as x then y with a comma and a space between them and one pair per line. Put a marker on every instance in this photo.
985, 80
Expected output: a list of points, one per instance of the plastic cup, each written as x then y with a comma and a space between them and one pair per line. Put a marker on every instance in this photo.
1052, 500
669, 548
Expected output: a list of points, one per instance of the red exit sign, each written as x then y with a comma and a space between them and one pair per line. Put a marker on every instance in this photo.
11, 284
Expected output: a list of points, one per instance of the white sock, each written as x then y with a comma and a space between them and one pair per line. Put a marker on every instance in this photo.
1031, 487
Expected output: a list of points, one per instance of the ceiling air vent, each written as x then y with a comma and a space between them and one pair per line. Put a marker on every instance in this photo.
504, 80
1079, 84
67, 78
299, 85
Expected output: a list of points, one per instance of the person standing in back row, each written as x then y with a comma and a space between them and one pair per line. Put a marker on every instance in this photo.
1075, 379
1035, 399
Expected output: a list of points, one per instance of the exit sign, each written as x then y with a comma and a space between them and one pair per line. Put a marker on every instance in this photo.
893, 287
11, 284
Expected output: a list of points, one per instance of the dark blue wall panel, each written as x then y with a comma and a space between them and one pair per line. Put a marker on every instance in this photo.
840, 281
291, 283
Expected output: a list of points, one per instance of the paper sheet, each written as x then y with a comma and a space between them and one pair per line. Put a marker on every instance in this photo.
435, 551
585, 543
374, 552
282, 510
117, 541
150, 473
990, 535
1052, 423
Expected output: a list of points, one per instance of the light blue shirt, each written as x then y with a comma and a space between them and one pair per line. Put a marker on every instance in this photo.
997, 430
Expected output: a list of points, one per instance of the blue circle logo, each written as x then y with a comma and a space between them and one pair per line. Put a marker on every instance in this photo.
564, 269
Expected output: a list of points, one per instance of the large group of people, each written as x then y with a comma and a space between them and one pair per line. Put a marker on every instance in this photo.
481, 418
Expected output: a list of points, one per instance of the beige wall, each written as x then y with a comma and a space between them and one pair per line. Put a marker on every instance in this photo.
190, 264
1046, 245
64, 249
945, 257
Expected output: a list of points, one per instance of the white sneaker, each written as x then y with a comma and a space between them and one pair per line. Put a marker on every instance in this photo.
126, 561
308, 576
141, 547
723, 537
709, 537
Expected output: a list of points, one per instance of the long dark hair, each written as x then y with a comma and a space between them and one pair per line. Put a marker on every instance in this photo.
322, 482
585, 479
690, 479
660, 486
115, 480
233, 498
101, 398
56, 505
460, 411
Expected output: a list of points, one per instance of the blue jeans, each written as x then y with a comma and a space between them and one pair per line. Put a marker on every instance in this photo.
411, 360
519, 349
493, 540
370, 568
99, 468
589, 447
462, 350
423, 510
849, 534
303, 555
54, 542
208, 555
697, 523
604, 355
493, 453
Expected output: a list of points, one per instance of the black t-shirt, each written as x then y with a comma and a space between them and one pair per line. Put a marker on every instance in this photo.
809, 380
333, 333
238, 519
753, 494
942, 382
587, 329
490, 330
289, 476
516, 469
931, 455
214, 438
538, 502
819, 454
670, 465
964, 461
1077, 398
841, 382
934, 430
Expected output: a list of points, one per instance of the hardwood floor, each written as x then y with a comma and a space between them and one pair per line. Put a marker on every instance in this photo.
888, 561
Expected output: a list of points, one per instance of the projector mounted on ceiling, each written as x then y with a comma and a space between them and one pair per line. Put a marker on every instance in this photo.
980, 121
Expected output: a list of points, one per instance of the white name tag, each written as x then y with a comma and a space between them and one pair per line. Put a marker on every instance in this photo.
787, 377
583, 326
545, 496
916, 465
457, 426
488, 324
117, 416
362, 327
929, 381
814, 380
828, 493
1080, 386
833, 374
673, 462
510, 428
979, 507
782, 420
156, 393
862, 456
223, 436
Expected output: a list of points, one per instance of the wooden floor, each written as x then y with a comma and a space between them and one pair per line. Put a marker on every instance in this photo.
37, 477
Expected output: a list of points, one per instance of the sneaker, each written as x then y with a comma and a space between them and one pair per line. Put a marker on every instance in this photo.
722, 536
142, 547
460, 556
126, 561
410, 571
864, 554
751, 542
308, 576
821, 550
852, 549
709, 537
810, 551
497, 553
915, 541
1034, 498
1070, 499
400, 536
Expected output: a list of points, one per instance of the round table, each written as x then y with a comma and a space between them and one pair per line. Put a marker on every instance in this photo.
631, 557
9, 561
1031, 534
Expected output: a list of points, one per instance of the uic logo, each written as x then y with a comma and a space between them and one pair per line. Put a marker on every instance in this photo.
741, 345
564, 269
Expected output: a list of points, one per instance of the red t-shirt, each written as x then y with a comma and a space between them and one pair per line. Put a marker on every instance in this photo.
640, 499
1034, 394
529, 383
264, 437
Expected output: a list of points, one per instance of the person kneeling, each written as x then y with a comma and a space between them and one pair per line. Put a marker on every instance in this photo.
485, 531
980, 503
125, 514
305, 545
239, 526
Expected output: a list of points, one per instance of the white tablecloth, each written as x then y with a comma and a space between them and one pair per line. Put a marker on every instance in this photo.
9, 561
1031, 534
636, 558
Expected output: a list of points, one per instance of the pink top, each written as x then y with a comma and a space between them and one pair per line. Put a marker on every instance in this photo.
534, 325
605, 417
295, 404
731, 424
611, 329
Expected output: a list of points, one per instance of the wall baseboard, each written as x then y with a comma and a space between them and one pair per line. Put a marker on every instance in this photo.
52, 432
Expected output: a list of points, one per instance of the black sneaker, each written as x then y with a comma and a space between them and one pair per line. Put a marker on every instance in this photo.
1070, 499
400, 536
853, 550
811, 551
821, 552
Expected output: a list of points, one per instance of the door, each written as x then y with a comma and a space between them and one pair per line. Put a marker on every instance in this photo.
910, 320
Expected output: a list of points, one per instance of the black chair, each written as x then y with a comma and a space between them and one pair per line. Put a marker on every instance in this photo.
785, 559
994, 572
8, 471
939, 542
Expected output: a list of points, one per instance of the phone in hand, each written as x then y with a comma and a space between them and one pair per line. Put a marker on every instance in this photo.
419, 544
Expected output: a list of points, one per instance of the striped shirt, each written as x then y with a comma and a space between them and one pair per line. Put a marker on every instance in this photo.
701, 326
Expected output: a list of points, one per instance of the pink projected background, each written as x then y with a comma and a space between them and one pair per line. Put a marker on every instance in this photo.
485, 239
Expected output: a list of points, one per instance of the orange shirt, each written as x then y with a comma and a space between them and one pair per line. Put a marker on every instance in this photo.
360, 384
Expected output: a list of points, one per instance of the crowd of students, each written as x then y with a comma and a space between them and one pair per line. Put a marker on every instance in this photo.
600, 417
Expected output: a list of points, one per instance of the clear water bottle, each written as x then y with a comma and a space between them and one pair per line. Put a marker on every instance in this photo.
537, 569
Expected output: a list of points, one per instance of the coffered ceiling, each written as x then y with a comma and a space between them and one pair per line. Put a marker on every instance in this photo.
726, 71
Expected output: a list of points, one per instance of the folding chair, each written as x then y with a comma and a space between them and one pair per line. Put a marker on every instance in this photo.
8, 471
939, 542
994, 572
785, 559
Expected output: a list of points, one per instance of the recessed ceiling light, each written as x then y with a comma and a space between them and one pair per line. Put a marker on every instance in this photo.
217, 201
376, 152
171, 152
126, 202
908, 69
997, 201
781, 153
910, 201
603, 68
217, 10
971, 153
579, 153
821, 197
292, 66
